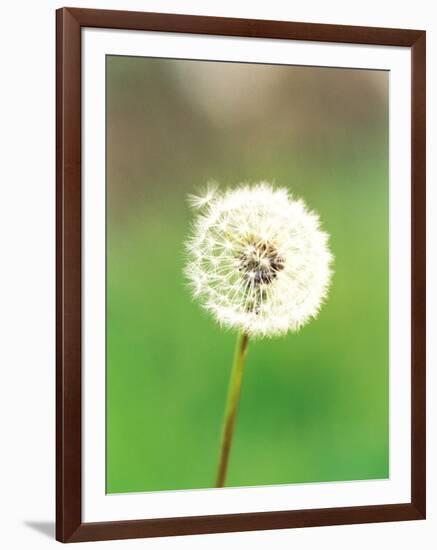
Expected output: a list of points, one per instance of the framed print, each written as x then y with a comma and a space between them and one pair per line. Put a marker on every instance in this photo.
240, 275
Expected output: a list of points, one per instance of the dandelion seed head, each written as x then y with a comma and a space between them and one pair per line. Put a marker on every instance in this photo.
258, 260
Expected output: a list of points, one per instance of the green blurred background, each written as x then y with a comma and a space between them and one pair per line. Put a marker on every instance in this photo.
314, 405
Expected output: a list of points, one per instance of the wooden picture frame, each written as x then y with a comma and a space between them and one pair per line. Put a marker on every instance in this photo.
69, 524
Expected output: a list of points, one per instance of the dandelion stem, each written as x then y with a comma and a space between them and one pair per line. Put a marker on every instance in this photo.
233, 399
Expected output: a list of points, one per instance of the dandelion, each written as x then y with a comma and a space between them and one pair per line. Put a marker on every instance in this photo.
259, 262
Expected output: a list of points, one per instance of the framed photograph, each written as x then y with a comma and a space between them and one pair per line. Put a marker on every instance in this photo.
240, 275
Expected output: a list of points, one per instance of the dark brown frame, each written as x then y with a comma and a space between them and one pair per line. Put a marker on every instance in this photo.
69, 526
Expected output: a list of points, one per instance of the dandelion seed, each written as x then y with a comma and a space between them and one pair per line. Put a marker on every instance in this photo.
200, 201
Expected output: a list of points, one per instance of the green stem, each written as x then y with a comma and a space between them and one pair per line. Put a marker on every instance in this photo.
232, 407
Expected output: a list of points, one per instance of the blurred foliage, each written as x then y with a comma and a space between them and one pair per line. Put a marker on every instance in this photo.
314, 405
